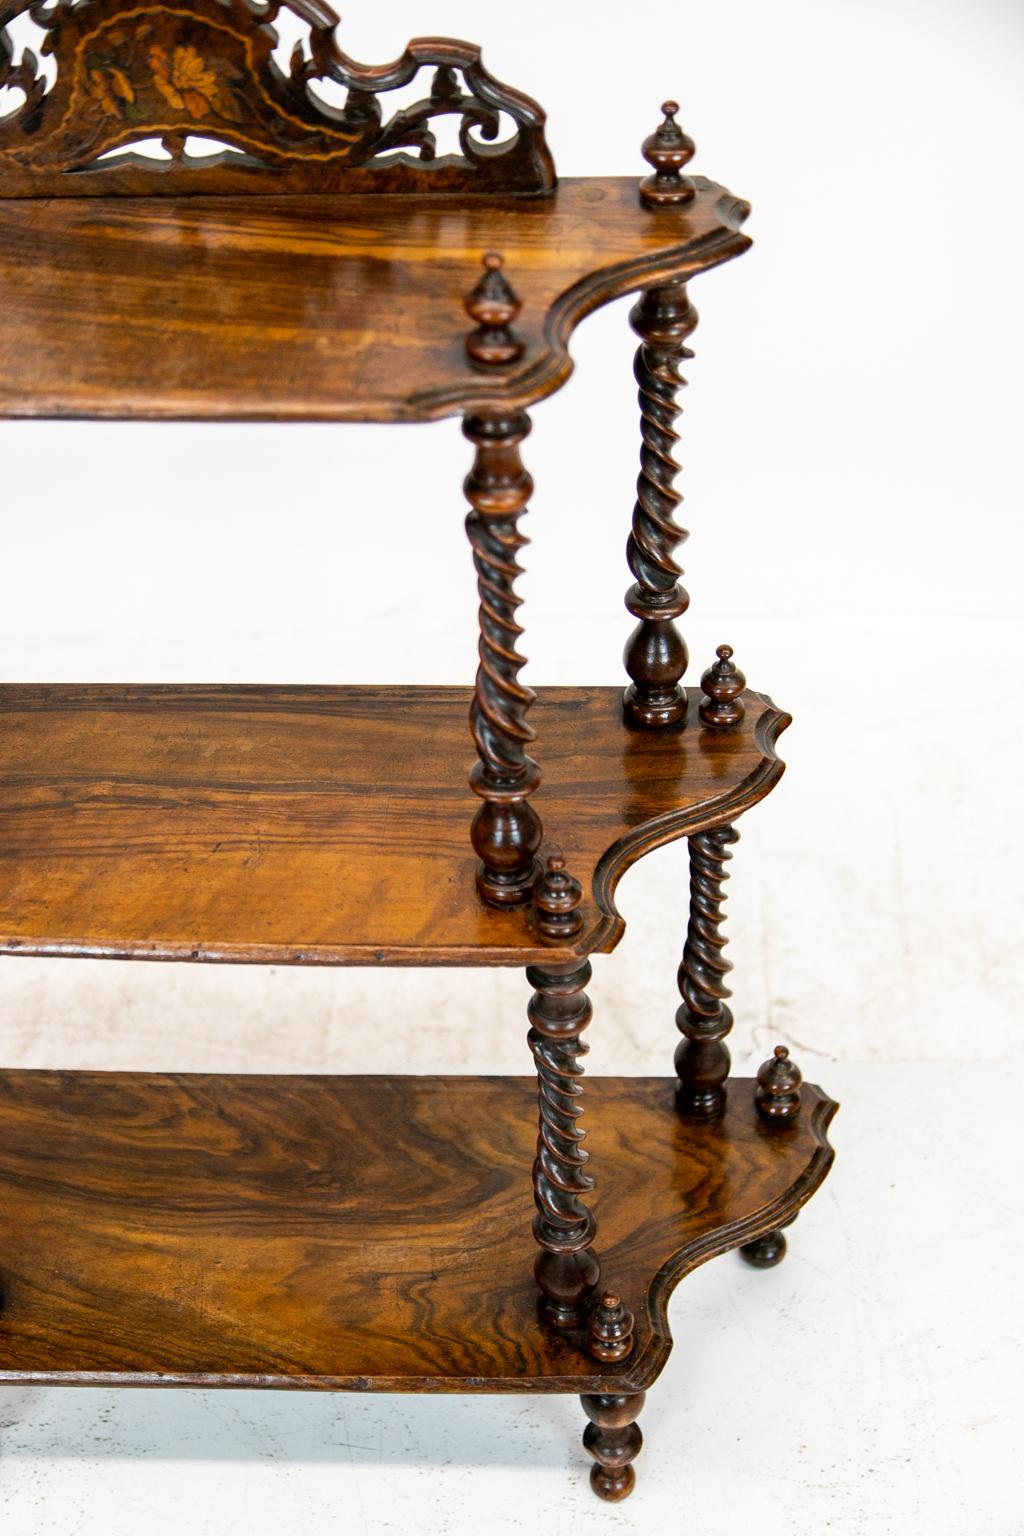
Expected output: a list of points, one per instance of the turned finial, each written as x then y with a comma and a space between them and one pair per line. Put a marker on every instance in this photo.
557, 897
778, 1088
494, 306
668, 149
610, 1329
723, 685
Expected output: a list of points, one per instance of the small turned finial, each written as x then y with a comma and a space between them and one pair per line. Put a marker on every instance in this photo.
557, 897
668, 150
778, 1088
494, 305
723, 685
610, 1329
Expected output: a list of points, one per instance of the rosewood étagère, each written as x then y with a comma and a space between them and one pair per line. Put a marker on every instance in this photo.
209, 211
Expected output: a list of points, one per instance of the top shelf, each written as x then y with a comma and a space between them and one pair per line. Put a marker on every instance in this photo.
318, 308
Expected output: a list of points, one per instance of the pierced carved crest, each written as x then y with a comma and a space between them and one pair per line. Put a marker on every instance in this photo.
129, 73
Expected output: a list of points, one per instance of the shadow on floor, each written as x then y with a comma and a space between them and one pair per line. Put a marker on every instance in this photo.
186, 1425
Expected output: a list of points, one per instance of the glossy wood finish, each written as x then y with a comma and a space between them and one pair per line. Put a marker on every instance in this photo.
566, 1268
318, 308
326, 825
365, 1233
765, 1252
666, 151
126, 74
778, 1095
722, 685
614, 1440
493, 306
361, 1233
557, 898
610, 1326
656, 655
506, 830
704, 1018
779, 1101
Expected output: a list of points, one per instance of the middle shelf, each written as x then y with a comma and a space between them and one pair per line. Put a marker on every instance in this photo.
314, 825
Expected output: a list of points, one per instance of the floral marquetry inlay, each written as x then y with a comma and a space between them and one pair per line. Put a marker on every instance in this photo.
131, 73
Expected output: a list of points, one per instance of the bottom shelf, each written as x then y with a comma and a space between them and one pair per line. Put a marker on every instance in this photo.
352, 1233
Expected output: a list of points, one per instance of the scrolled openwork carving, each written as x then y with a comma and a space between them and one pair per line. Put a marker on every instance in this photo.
127, 73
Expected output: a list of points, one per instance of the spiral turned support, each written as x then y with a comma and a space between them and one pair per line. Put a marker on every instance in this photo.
705, 1019
566, 1270
506, 830
656, 656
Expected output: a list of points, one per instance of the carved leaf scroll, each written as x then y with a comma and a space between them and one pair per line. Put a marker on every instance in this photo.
131, 72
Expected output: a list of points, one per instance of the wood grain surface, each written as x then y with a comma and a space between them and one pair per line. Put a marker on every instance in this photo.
359, 1233
317, 307
327, 825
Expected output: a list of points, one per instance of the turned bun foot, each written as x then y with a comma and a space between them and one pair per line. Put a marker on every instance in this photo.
766, 1251
613, 1487
614, 1440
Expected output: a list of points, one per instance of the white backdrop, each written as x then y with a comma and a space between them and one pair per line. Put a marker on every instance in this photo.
852, 474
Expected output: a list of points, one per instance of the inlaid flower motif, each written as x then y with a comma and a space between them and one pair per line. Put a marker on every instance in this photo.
112, 89
183, 79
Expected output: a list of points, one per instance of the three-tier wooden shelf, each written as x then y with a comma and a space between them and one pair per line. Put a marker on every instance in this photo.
366, 1233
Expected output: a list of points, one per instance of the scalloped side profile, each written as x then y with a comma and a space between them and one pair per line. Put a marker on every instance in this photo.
328, 826
714, 811
354, 1233
818, 1157
315, 308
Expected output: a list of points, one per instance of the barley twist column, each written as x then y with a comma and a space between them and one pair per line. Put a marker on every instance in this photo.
656, 655
566, 1270
506, 830
705, 1019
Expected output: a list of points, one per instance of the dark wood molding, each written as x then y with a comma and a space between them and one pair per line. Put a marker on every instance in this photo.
537, 378
768, 727
650, 1359
205, 68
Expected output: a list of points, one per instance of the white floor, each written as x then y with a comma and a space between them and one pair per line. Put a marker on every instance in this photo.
871, 1384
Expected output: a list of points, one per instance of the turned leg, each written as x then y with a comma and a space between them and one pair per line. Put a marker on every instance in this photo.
704, 1018
566, 1269
506, 830
614, 1440
656, 655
